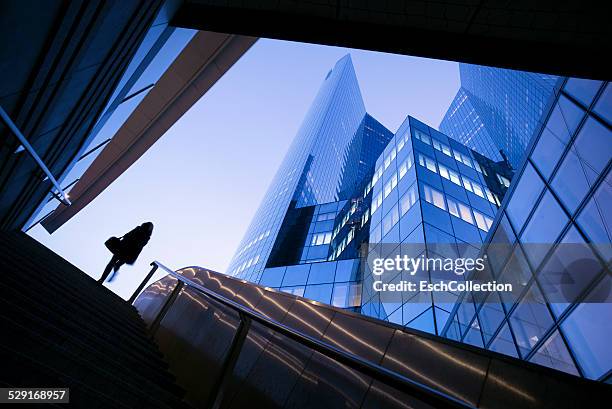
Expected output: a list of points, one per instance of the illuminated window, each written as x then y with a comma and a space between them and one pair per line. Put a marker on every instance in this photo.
434, 197
427, 162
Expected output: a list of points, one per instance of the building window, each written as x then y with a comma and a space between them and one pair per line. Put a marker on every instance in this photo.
346, 295
376, 202
405, 166
477, 190
460, 157
377, 175
390, 158
319, 239
465, 213
422, 137
504, 181
408, 200
483, 222
326, 216
452, 207
390, 185
449, 174
427, 162
491, 197
390, 220
445, 149
434, 197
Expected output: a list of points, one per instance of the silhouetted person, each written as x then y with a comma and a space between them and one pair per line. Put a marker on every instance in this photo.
126, 249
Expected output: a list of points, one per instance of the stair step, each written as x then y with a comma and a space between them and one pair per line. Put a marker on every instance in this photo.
70, 275
16, 266
66, 358
51, 302
138, 355
60, 327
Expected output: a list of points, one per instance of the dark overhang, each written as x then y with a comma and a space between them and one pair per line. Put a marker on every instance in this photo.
569, 38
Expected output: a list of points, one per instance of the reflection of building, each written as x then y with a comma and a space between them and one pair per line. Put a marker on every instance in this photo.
497, 109
561, 194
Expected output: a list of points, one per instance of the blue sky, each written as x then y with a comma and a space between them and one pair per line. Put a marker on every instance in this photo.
201, 183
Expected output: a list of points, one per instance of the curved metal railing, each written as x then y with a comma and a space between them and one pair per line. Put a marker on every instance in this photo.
402, 383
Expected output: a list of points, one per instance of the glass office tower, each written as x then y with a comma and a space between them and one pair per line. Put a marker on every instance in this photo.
552, 239
497, 109
319, 167
431, 196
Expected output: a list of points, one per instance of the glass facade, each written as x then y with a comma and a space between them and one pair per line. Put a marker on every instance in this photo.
320, 167
497, 109
349, 189
427, 190
561, 197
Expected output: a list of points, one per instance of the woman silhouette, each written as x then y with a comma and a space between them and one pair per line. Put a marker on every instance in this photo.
126, 249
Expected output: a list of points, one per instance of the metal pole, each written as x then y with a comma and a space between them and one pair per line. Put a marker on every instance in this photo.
24, 142
220, 387
167, 304
142, 284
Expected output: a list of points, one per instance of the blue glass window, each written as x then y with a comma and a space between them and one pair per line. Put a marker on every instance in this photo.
547, 152
530, 320
346, 295
517, 273
588, 331
474, 336
347, 270
564, 119
526, 193
424, 322
544, 227
582, 89
503, 343
594, 144
570, 182
299, 290
491, 315
296, 275
319, 292
569, 270
272, 277
501, 244
322, 273
596, 219
553, 354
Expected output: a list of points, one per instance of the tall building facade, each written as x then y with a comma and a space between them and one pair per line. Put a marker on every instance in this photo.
551, 238
431, 196
420, 193
319, 166
497, 109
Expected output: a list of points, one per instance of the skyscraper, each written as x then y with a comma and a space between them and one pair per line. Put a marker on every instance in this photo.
497, 109
319, 166
421, 194
316, 246
552, 239
431, 196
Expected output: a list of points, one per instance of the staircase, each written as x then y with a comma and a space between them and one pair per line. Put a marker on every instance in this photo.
60, 328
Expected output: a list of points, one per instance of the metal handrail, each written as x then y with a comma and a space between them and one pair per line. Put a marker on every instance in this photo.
24, 142
421, 391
